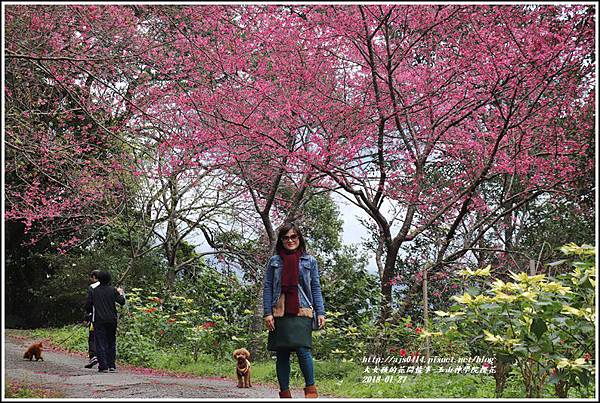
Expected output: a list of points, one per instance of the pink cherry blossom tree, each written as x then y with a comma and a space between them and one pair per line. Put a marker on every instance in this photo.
456, 100
429, 117
68, 80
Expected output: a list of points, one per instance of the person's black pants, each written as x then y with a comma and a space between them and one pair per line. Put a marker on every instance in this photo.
106, 344
91, 344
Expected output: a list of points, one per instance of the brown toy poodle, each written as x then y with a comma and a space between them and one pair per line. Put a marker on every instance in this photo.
242, 369
35, 350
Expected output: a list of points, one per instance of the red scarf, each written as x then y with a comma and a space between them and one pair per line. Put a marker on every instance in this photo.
289, 280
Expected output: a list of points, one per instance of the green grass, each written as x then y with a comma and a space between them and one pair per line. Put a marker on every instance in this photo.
334, 377
205, 366
71, 338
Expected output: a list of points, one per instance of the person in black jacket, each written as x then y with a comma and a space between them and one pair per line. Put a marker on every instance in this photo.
101, 304
88, 320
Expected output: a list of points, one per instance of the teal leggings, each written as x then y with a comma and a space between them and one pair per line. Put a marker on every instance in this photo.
283, 368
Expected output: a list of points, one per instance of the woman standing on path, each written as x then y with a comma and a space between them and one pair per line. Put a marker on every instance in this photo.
291, 296
101, 301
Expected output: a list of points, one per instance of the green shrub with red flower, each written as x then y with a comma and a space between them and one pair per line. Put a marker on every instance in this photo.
151, 323
354, 342
224, 319
208, 316
337, 339
395, 338
148, 323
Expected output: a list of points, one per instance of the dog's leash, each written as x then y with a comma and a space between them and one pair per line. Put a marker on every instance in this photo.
73, 333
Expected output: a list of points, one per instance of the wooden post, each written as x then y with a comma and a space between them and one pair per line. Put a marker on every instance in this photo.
531, 267
426, 311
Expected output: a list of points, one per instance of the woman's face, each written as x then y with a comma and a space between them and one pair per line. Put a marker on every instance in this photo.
290, 240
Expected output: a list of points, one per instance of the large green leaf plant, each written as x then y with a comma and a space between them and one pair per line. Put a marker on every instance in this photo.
541, 327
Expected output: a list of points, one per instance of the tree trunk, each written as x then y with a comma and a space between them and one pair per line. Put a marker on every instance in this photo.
502, 370
257, 349
389, 270
170, 280
257, 326
561, 389
170, 252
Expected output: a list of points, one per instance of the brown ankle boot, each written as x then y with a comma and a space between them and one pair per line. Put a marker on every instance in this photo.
285, 393
310, 392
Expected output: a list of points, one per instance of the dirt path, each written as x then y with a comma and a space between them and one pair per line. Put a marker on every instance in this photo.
64, 372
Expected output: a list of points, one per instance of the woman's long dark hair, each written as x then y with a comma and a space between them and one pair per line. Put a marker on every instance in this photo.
284, 229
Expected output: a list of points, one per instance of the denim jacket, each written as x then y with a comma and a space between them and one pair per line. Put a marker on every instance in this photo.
309, 281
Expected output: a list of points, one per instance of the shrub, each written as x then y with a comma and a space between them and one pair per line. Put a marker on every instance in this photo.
545, 326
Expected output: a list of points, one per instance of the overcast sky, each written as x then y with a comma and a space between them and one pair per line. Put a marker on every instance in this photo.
354, 232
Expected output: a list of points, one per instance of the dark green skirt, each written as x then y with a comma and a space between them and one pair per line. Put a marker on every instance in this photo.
290, 333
